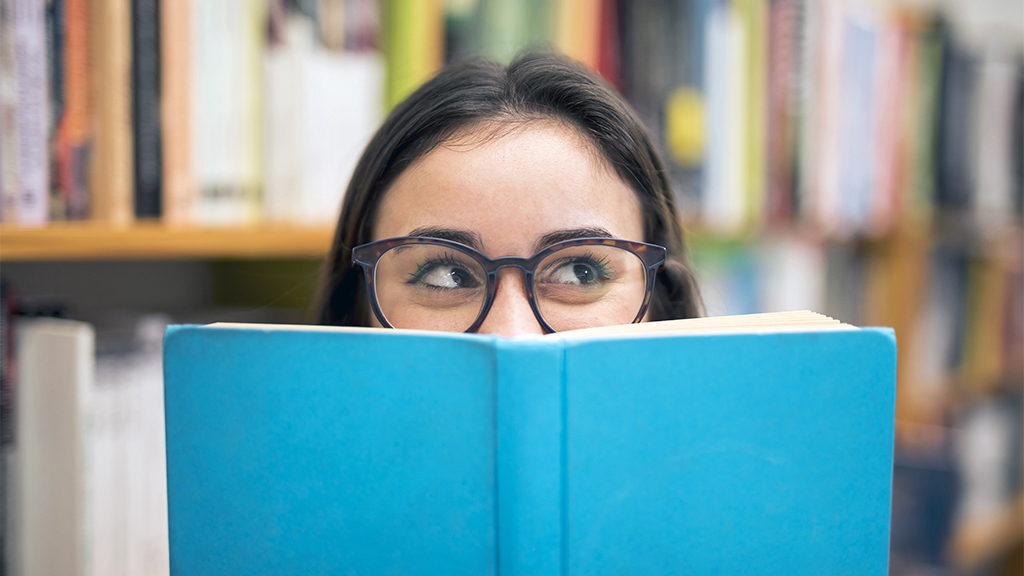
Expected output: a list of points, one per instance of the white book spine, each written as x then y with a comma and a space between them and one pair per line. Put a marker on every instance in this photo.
341, 107
724, 207
997, 85
10, 181
56, 360
30, 42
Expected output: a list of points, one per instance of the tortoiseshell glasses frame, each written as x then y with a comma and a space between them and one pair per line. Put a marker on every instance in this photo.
367, 255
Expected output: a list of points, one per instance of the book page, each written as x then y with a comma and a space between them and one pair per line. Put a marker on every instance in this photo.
801, 321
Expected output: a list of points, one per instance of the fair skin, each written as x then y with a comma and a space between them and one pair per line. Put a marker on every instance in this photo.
510, 193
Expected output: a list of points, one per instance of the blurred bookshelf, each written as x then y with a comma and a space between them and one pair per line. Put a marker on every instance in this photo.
83, 241
860, 158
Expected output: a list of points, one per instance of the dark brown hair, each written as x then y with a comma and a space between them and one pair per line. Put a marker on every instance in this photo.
532, 87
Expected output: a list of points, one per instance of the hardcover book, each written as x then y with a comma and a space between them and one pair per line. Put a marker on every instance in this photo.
756, 444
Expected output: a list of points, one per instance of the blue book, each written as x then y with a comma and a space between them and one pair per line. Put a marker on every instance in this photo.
742, 445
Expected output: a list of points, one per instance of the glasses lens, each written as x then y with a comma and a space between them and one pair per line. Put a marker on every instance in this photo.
428, 287
588, 286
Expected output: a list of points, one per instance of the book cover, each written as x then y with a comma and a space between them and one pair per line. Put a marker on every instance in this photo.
325, 450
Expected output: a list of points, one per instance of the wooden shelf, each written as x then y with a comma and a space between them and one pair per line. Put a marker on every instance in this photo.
156, 241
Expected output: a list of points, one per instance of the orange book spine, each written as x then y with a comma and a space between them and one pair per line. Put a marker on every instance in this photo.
175, 110
75, 130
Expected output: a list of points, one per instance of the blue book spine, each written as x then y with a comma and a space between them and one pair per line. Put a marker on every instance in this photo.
530, 457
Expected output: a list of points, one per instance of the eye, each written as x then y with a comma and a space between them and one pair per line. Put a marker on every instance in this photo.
445, 274
449, 277
577, 271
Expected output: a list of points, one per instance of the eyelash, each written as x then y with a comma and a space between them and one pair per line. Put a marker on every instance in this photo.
426, 267
600, 263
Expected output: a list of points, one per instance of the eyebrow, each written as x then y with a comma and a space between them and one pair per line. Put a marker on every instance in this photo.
472, 239
572, 234
461, 236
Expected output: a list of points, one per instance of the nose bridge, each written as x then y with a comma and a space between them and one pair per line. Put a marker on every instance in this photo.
510, 313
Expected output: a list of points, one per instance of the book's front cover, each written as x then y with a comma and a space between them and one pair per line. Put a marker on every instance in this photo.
731, 454
304, 452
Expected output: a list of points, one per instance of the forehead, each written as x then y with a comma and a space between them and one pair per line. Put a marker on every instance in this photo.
510, 185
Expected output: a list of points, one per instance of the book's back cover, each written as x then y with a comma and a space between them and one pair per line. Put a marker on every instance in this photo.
730, 454
292, 452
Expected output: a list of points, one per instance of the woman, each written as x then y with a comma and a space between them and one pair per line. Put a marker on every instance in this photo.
524, 199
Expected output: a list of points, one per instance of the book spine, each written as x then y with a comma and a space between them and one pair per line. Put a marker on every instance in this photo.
754, 18
578, 30
56, 70
227, 72
75, 131
56, 360
931, 40
178, 187
7, 414
997, 100
112, 170
887, 121
531, 458
252, 44
413, 41
30, 52
10, 175
857, 122
782, 42
609, 49
146, 107
724, 203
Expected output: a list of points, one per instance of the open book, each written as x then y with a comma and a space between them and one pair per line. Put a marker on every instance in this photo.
750, 444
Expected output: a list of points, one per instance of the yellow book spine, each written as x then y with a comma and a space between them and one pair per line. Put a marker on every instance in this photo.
577, 30
413, 45
754, 20
112, 182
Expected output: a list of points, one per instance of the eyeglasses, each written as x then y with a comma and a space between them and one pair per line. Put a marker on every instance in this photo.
436, 284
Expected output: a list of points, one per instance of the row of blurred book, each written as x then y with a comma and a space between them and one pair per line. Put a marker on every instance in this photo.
847, 117
82, 468
196, 112
958, 311
97, 435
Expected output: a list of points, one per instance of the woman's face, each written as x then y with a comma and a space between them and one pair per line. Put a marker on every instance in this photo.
511, 194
